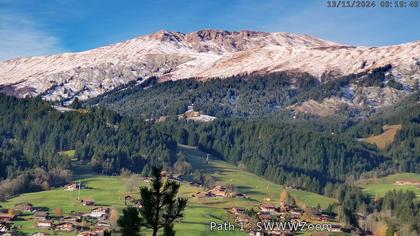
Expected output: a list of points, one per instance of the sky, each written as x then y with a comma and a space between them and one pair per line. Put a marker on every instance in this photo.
44, 27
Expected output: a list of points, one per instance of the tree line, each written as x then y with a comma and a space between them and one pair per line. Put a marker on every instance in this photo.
33, 135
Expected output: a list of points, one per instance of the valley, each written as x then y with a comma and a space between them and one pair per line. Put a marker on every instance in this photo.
250, 127
109, 191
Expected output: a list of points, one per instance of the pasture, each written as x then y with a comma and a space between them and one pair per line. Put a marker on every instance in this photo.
109, 191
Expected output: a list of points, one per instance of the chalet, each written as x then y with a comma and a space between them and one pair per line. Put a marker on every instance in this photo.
87, 233
72, 219
285, 206
42, 215
71, 187
243, 218
268, 208
336, 228
324, 217
237, 210
44, 224
256, 233
65, 227
203, 194
104, 224
99, 212
40, 234
296, 213
196, 116
24, 206
6, 217
4, 227
100, 230
219, 191
138, 204
88, 202
264, 217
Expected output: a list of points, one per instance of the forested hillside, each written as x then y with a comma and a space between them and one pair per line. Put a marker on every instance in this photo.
250, 96
405, 149
32, 135
292, 154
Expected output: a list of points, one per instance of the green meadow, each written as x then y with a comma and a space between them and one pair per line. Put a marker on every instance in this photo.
110, 191
377, 187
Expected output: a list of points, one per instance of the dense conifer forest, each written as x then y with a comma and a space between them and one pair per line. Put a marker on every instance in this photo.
33, 136
250, 96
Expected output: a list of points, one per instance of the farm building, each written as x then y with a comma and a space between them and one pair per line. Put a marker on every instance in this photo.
268, 208
7, 217
87, 233
24, 206
336, 228
44, 224
219, 191
71, 187
42, 215
4, 227
99, 212
237, 210
65, 227
72, 219
88, 202
40, 234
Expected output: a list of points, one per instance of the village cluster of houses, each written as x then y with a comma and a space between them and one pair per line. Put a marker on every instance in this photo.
219, 191
92, 223
270, 213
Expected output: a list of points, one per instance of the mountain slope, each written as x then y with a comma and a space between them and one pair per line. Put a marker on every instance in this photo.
202, 54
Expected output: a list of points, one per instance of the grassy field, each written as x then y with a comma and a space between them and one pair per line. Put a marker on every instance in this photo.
386, 138
255, 187
378, 187
110, 190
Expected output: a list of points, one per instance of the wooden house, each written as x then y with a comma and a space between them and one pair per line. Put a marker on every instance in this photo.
40, 234
4, 227
24, 206
88, 202
65, 227
268, 208
44, 224
6, 217
42, 215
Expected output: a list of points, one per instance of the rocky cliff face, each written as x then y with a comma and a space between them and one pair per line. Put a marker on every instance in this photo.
206, 54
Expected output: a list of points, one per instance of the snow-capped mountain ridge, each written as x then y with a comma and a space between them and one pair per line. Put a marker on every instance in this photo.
202, 54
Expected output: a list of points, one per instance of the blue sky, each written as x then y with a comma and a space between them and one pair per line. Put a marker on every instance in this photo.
39, 27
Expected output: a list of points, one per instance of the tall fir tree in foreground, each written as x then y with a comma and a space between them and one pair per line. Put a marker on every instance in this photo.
161, 207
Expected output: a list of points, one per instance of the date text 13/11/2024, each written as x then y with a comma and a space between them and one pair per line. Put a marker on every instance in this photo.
372, 4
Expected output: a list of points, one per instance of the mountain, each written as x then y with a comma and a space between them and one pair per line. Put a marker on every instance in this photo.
204, 54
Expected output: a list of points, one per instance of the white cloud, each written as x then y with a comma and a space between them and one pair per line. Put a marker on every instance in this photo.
20, 36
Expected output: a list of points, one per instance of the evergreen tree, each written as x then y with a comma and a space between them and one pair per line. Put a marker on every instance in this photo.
161, 207
130, 222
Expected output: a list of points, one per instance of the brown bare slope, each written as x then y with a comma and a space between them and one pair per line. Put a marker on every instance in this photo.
386, 138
